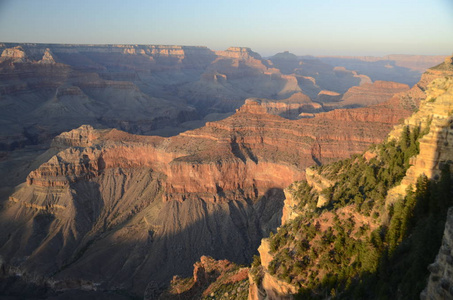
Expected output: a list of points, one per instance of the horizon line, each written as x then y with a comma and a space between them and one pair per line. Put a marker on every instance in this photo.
203, 46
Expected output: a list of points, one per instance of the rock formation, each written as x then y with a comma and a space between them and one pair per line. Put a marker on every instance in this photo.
364, 95
214, 279
297, 106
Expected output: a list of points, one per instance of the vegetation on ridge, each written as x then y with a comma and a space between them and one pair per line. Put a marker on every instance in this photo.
358, 246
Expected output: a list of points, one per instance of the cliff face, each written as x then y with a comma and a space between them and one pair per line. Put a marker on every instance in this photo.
252, 151
436, 147
94, 56
440, 280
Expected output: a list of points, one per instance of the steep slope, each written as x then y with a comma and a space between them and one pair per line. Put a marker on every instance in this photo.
368, 227
440, 279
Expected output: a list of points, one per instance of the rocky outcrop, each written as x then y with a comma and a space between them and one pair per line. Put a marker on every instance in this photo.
48, 57
328, 96
363, 79
16, 54
368, 94
285, 61
239, 52
292, 107
211, 278
289, 211
252, 150
270, 287
84, 136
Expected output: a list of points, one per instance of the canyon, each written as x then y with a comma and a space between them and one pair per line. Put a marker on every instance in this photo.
47, 89
168, 89
433, 161
203, 144
135, 204
307, 203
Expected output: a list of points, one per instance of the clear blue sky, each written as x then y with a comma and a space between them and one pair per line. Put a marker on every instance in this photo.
319, 27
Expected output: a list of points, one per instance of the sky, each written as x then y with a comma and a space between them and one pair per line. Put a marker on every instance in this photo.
317, 27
